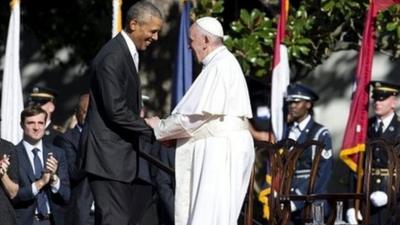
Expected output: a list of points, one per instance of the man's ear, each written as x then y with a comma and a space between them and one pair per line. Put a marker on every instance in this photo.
133, 24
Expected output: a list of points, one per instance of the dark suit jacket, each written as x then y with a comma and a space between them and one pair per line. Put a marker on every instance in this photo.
114, 131
78, 209
25, 201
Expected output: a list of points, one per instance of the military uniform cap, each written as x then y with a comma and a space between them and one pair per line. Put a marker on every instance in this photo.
298, 92
382, 90
41, 95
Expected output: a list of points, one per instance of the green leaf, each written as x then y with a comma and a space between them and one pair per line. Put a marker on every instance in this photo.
392, 26
398, 33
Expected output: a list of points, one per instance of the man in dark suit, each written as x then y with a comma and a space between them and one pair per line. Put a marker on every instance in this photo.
385, 124
78, 209
303, 128
45, 98
44, 181
114, 132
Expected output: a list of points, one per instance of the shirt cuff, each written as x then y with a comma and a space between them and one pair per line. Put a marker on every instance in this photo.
55, 187
35, 191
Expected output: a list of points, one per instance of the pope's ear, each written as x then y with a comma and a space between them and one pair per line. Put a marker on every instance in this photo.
206, 39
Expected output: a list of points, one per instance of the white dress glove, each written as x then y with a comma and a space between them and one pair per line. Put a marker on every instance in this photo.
378, 198
351, 216
292, 206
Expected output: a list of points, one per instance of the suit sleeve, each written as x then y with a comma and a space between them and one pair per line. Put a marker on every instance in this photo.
112, 75
64, 192
74, 172
25, 189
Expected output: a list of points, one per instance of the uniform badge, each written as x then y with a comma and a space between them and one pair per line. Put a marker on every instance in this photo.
326, 154
391, 128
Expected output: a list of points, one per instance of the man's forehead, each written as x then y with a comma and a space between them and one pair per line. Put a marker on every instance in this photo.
36, 117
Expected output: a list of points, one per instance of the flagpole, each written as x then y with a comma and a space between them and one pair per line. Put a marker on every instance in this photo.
116, 17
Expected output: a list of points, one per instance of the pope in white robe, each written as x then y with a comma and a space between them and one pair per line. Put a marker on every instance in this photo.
215, 150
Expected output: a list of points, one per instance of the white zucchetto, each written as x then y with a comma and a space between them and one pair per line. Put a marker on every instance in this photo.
211, 25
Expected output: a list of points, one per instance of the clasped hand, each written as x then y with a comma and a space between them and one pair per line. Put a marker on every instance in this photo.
152, 121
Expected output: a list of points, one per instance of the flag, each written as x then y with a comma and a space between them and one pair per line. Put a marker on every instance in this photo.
183, 68
116, 17
280, 76
11, 99
357, 123
280, 81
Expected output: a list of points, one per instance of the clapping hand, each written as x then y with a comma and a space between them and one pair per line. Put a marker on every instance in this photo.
51, 164
153, 121
4, 164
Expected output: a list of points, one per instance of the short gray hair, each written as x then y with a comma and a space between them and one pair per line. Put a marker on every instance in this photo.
140, 12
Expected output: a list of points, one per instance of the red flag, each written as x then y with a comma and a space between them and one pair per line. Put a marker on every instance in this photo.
356, 129
280, 75
280, 81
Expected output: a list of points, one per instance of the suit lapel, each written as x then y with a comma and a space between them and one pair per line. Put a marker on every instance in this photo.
46, 150
128, 58
75, 137
25, 162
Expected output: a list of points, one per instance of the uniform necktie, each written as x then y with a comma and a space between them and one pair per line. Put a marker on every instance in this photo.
379, 131
295, 132
41, 196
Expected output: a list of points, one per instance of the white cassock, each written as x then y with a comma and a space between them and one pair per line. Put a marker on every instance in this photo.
215, 151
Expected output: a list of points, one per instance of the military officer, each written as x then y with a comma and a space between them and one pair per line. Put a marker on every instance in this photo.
45, 98
302, 128
384, 124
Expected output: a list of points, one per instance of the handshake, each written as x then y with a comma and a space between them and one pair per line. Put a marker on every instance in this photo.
152, 121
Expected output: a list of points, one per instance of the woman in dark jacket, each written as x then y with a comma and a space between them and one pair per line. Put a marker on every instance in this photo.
8, 181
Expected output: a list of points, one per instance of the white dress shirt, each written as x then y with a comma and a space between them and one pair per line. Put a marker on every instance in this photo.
132, 49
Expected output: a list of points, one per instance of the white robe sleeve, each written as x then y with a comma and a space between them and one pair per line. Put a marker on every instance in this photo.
179, 126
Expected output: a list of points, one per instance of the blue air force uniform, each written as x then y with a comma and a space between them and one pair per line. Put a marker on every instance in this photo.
304, 131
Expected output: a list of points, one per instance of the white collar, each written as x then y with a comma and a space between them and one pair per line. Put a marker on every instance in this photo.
29, 147
386, 121
302, 125
211, 55
131, 47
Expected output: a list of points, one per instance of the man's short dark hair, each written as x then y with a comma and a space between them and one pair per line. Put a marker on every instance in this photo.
32, 111
140, 10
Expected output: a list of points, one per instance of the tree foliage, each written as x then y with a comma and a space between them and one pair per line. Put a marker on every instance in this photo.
315, 29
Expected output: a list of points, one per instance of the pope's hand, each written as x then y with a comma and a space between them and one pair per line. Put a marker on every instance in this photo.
153, 121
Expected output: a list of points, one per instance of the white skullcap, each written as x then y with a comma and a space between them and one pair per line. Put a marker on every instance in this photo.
211, 25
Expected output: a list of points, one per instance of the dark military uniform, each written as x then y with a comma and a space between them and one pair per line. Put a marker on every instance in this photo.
380, 173
311, 131
40, 96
